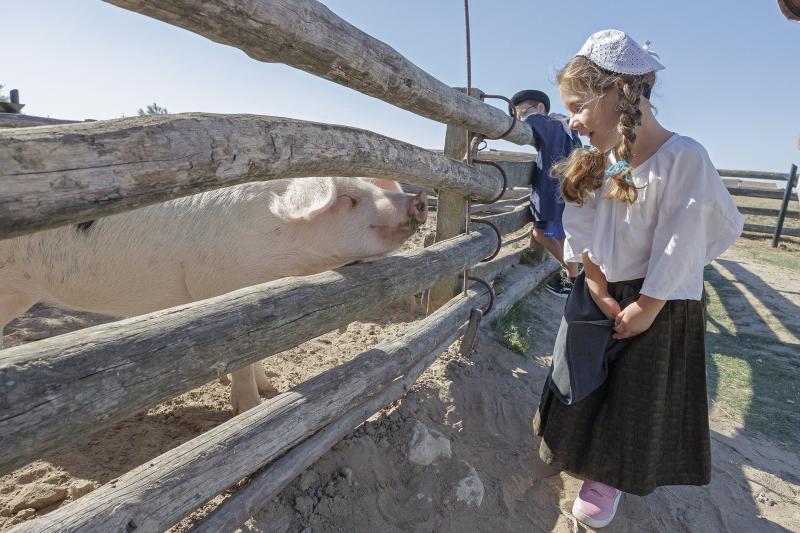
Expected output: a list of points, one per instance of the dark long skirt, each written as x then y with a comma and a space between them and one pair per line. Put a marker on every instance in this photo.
647, 425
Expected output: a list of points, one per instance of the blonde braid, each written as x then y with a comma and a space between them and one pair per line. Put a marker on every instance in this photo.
629, 119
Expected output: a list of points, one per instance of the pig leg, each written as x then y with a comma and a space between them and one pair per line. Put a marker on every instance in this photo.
13, 305
263, 384
244, 393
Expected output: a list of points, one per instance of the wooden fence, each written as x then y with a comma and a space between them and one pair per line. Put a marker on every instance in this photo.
59, 389
754, 190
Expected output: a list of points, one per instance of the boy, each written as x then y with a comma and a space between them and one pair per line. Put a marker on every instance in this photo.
554, 141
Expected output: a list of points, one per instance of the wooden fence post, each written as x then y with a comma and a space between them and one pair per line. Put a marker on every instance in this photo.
451, 209
787, 195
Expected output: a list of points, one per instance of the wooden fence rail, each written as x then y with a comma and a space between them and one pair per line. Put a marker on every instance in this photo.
728, 173
159, 493
759, 193
56, 175
307, 35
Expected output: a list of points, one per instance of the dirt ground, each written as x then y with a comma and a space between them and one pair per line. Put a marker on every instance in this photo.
457, 453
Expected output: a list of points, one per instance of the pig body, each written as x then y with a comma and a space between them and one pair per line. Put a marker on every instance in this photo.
205, 245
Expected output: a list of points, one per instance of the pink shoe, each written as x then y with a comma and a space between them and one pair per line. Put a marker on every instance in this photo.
596, 504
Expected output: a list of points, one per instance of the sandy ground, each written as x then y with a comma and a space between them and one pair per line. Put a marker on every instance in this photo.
456, 454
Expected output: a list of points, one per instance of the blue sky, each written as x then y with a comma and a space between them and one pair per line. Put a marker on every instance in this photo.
732, 78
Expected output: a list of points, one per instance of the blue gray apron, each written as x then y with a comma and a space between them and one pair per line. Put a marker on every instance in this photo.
583, 347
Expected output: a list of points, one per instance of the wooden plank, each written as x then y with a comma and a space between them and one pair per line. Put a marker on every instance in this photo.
770, 230
491, 154
737, 183
759, 193
269, 482
451, 209
159, 493
728, 173
518, 173
498, 207
56, 175
509, 222
765, 212
58, 389
16, 120
307, 35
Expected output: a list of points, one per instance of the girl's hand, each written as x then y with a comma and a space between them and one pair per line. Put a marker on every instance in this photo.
607, 304
598, 288
637, 317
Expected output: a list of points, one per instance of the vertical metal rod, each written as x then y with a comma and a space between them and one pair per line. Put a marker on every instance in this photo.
468, 158
469, 59
787, 195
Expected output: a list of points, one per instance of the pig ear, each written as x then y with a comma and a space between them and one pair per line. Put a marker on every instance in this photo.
389, 185
306, 198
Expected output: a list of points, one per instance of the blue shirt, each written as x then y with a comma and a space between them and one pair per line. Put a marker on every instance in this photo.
553, 144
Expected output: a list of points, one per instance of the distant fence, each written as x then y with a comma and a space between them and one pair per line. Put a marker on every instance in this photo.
63, 388
751, 189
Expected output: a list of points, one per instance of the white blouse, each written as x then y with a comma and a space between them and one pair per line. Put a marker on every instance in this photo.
683, 219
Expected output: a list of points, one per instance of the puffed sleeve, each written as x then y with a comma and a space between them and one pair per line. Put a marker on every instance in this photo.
579, 222
697, 221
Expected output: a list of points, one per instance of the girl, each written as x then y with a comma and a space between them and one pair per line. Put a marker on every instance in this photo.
646, 211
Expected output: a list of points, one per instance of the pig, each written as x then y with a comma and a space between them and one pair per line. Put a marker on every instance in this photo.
205, 245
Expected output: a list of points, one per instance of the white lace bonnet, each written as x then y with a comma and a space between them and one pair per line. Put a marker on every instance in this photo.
617, 52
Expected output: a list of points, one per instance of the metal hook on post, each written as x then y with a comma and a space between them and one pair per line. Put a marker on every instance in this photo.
502, 174
475, 316
499, 238
511, 111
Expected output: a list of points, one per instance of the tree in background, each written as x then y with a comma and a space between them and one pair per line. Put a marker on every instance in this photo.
153, 109
3, 97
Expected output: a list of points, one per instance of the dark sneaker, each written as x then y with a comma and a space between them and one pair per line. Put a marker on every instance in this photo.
560, 286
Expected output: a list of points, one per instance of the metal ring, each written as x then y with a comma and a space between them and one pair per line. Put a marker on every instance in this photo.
511, 111
491, 292
499, 237
485, 144
502, 173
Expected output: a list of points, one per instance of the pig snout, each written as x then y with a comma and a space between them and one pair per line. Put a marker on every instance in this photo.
418, 208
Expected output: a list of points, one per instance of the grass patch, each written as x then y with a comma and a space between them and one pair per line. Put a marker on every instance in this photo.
516, 330
757, 248
761, 394
752, 376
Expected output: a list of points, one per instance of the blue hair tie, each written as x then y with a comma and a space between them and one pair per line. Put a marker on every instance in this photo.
621, 167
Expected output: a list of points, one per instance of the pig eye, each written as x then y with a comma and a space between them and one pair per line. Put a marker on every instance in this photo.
353, 201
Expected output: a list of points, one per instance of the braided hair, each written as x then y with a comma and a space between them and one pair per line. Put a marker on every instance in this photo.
583, 171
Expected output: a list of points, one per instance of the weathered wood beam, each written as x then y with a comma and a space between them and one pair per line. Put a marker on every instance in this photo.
58, 389
521, 281
728, 173
500, 206
159, 493
765, 212
56, 175
759, 193
759, 228
509, 222
307, 35
451, 209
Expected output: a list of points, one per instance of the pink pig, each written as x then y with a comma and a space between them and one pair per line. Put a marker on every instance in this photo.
205, 245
